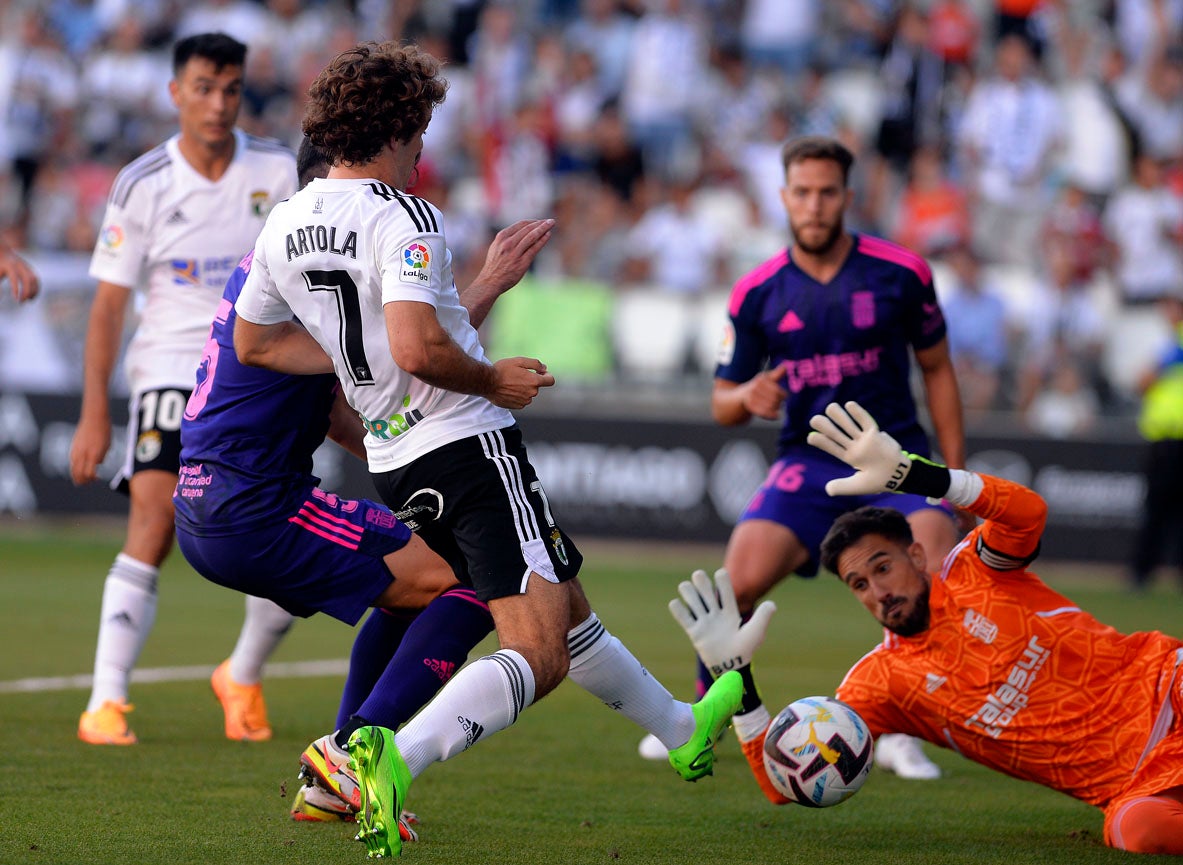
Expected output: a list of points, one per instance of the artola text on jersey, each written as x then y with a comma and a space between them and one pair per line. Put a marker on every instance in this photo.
321, 238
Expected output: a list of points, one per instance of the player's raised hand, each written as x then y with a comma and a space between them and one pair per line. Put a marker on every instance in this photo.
512, 252
850, 434
765, 393
517, 381
708, 613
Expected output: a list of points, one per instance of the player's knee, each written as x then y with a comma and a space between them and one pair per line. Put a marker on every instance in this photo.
1150, 825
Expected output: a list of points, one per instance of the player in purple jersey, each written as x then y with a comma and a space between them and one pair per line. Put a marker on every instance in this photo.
834, 318
250, 516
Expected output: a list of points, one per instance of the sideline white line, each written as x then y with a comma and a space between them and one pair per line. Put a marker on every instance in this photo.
284, 670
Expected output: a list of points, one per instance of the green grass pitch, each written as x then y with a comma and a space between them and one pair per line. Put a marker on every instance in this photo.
563, 786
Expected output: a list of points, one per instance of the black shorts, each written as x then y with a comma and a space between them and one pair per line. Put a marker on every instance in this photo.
153, 433
478, 503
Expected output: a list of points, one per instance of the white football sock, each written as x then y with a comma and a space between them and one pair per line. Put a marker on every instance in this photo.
605, 668
484, 697
125, 619
262, 630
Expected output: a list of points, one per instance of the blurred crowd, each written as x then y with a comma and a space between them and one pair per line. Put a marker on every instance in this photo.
1032, 150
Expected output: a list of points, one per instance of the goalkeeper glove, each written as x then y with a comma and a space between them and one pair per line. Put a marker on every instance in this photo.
851, 435
708, 613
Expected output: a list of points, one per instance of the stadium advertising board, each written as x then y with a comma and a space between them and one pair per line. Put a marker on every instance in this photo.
606, 477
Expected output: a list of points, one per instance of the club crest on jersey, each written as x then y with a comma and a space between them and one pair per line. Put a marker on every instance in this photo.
862, 309
185, 272
260, 202
416, 263
148, 446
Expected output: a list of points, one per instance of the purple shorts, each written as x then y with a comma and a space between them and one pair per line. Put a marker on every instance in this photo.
794, 495
327, 557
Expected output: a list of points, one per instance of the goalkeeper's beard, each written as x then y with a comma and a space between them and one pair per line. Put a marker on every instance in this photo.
914, 622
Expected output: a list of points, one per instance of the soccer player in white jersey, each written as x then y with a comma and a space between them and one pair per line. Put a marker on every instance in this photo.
178, 221
366, 269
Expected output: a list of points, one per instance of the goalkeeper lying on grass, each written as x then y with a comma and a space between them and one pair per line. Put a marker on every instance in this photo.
981, 657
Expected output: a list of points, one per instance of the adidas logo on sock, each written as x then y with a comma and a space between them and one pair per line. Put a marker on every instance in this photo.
122, 618
443, 669
176, 218
472, 730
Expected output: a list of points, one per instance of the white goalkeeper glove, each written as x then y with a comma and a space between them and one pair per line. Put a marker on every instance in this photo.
850, 434
709, 615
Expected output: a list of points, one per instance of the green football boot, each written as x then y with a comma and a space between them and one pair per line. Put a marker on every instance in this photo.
712, 715
384, 779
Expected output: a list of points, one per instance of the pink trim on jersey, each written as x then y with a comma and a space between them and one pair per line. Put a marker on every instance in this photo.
753, 278
329, 527
877, 247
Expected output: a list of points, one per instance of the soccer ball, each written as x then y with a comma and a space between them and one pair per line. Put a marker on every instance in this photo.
818, 751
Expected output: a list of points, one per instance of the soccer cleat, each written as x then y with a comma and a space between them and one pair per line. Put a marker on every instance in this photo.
903, 755
314, 805
328, 767
712, 715
650, 748
107, 725
246, 714
384, 779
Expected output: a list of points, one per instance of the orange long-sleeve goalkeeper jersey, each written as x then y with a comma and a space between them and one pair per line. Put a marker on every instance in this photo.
1015, 676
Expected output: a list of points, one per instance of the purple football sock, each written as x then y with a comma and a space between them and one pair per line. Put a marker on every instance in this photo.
435, 645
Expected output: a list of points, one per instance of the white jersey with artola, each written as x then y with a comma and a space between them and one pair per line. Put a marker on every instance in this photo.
332, 256
176, 236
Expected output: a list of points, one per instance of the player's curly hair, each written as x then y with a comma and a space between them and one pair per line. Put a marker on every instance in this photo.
852, 527
368, 95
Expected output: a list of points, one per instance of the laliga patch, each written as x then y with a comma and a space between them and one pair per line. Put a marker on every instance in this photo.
726, 345
416, 263
112, 237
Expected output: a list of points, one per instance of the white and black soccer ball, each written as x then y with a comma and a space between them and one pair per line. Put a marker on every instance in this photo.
818, 751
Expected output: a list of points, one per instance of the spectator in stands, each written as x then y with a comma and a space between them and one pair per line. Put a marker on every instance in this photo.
1009, 135
672, 248
1062, 325
1150, 93
1144, 222
1096, 141
1073, 229
953, 32
500, 55
666, 67
618, 162
1161, 424
605, 31
932, 214
781, 34
123, 105
976, 318
42, 91
1066, 407
911, 77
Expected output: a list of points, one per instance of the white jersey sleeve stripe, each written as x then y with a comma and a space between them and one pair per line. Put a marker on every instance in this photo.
137, 171
414, 217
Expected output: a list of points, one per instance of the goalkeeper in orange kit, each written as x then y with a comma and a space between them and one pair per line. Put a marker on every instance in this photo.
982, 656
